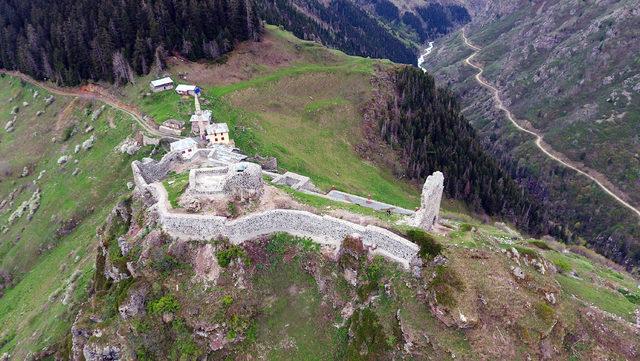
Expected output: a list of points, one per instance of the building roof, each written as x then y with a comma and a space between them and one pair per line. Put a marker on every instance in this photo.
185, 88
205, 116
183, 144
218, 128
161, 82
173, 123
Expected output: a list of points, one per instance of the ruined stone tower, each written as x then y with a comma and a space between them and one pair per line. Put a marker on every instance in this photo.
427, 215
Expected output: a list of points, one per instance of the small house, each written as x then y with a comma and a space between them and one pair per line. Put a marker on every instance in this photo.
186, 147
161, 84
184, 89
218, 133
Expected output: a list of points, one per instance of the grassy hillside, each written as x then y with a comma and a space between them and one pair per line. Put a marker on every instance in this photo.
51, 257
490, 294
304, 110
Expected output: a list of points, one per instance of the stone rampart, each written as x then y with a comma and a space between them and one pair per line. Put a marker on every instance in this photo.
321, 229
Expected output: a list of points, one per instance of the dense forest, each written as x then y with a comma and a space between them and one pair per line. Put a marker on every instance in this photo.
69, 41
424, 124
426, 21
339, 24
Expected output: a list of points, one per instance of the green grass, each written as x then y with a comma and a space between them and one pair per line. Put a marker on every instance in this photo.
40, 260
295, 313
175, 184
325, 204
306, 114
602, 298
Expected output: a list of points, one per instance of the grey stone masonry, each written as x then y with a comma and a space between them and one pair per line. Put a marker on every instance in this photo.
322, 229
427, 216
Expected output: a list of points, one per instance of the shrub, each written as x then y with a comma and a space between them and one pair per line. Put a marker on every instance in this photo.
166, 303
465, 227
227, 300
545, 312
524, 251
68, 132
632, 297
429, 247
540, 244
230, 253
165, 263
281, 242
232, 208
562, 264
369, 341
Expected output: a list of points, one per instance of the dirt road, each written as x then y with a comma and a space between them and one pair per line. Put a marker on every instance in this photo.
593, 175
93, 92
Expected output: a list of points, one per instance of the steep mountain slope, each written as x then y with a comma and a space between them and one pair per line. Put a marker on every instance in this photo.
115, 41
49, 211
304, 104
340, 24
481, 293
419, 21
567, 71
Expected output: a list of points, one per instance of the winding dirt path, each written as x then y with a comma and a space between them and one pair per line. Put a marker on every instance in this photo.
593, 175
93, 92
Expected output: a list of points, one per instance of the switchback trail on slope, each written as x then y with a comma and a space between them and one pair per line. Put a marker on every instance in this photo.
93, 93
593, 175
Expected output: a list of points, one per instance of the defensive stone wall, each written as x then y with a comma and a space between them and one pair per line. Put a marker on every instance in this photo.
322, 229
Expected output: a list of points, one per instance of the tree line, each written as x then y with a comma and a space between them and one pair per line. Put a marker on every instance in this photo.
339, 24
424, 124
69, 41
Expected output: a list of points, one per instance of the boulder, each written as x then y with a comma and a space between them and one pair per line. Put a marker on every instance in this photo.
88, 144
63, 159
134, 305
518, 272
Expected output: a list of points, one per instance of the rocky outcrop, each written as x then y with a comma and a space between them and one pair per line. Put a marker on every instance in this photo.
427, 216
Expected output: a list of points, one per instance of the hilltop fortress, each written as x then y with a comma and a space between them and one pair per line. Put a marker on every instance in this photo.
220, 172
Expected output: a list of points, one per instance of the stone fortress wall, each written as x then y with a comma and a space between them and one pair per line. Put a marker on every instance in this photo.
322, 229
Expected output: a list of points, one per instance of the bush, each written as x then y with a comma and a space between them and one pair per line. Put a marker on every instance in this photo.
68, 132
465, 227
165, 263
545, 312
524, 251
540, 244
563, 265
230, 253
632, 297
227, 300
166, 303
429, 247
232, 208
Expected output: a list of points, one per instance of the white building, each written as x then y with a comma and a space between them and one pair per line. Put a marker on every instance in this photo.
200, 119
184, 89
218, 133
185, 146
161, 84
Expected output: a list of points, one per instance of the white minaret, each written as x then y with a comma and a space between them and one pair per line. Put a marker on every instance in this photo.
201, 123
198, 109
